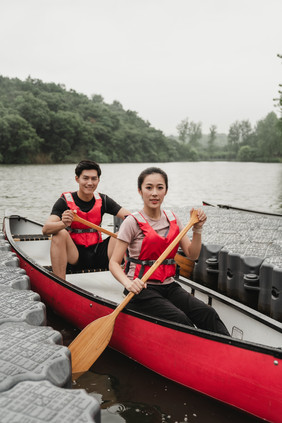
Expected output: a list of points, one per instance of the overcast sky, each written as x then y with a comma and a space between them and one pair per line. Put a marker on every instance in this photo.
213, 61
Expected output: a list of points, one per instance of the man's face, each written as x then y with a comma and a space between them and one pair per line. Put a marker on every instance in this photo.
88, 181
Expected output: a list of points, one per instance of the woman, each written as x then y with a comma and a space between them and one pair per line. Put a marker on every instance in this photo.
145, 235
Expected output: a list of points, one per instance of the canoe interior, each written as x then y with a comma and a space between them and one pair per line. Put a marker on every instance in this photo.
242, 322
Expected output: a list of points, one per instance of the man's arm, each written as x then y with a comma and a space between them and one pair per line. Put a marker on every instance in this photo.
122, 213
54, 224
112, 207
58, 218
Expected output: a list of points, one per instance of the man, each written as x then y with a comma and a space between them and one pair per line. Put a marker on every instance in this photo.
73, 243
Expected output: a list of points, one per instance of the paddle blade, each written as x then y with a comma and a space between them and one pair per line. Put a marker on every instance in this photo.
90, 343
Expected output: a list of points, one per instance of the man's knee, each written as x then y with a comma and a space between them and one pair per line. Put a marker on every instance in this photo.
60, 238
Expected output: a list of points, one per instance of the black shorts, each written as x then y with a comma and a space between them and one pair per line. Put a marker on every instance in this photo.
92, 257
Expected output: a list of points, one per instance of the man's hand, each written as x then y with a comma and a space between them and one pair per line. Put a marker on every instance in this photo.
67, 217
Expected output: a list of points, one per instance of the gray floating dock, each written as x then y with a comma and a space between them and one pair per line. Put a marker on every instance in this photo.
241, 257
35, 368
23, 331
4, 245
21, 306
7, 258
34, 402
14, 277
23, 359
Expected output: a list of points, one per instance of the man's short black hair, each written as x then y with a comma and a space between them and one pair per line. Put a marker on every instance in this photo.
85, 165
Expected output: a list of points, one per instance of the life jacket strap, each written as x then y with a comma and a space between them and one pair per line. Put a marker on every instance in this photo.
81, 231
145, 263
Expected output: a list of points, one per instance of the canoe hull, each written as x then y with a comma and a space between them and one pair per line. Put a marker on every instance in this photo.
230, 371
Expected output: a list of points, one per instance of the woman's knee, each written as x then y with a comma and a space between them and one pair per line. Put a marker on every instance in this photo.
212, 312
182, 318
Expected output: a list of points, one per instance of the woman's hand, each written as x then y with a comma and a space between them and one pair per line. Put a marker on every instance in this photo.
135, 286
201, 216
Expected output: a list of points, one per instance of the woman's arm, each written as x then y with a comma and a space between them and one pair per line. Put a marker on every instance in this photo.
192, 248
134, 286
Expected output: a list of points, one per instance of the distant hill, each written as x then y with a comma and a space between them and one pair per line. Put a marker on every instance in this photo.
44, 123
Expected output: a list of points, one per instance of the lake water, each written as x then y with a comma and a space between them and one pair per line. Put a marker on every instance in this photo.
32, 189
126, 391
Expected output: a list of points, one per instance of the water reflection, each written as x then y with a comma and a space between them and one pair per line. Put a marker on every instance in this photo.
135, 394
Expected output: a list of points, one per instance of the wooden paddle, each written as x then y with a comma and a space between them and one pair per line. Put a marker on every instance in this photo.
92, 225
94, 338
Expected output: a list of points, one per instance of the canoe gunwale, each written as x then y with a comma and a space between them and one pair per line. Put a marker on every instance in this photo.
244, 309
228, 207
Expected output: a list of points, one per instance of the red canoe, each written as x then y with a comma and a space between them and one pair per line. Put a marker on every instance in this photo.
244, 370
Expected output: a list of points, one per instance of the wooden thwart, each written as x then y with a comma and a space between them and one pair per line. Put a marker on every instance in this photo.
31, 237
94, 338
186, 265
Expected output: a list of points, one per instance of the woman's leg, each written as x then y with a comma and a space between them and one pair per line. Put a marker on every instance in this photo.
152, 302
201, 314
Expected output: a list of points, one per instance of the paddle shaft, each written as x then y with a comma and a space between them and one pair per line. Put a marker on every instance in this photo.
92, 225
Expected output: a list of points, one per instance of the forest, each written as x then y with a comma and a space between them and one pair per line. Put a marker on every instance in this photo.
43, 123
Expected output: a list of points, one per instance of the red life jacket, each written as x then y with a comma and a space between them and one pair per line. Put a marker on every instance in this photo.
82, 234
153, 245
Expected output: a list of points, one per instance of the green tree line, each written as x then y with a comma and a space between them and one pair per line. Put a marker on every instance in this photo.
45, 123
243, 143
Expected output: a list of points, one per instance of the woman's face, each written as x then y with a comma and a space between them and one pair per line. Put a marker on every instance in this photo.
153, 190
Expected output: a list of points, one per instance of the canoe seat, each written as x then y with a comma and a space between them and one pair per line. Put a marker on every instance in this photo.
70, 272
186, 265
31, 237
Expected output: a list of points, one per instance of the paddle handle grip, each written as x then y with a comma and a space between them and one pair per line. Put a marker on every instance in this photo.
194, 219
92, 225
